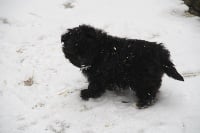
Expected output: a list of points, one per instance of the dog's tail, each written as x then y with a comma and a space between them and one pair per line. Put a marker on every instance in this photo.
167, 65
169, 68
171, 71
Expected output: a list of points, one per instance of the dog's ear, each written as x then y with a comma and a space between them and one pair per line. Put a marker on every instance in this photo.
88, 31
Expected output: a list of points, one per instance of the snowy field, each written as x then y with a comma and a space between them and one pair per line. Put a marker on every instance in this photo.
39, 88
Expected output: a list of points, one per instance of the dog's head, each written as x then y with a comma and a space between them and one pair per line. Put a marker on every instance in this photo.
81, 45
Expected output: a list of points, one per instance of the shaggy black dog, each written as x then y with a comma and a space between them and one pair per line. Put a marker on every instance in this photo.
109, 61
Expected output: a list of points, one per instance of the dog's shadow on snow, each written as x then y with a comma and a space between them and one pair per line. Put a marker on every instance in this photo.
117, 98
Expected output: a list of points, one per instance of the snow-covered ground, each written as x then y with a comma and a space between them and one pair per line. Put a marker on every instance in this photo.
39, 88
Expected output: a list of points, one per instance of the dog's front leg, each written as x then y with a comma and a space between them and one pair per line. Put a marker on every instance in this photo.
95, 90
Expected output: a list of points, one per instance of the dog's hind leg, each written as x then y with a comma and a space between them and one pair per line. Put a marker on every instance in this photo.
94, 90
146, 92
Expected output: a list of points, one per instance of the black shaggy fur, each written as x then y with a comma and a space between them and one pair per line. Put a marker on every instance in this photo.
109, 61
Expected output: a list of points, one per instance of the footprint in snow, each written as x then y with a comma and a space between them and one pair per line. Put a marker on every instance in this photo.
4, 20
68, 5
58, 127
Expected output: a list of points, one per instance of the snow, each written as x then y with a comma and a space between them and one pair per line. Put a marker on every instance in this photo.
39, 88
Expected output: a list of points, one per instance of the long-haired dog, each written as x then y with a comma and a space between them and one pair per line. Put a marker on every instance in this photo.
109, 61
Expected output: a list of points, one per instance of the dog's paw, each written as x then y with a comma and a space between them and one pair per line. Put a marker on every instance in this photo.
85, 94
142, 105
145, 104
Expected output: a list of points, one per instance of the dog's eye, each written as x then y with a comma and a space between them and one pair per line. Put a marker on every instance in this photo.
76, 44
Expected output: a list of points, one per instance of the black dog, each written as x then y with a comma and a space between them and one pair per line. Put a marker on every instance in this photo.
109, 61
